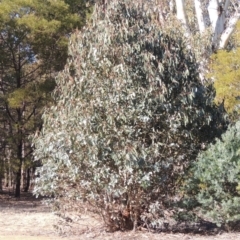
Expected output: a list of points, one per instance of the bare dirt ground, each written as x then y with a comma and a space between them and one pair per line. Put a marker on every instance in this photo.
28, 219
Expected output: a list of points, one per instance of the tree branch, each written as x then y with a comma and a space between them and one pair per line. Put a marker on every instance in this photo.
9, 114
226, 5
229, 30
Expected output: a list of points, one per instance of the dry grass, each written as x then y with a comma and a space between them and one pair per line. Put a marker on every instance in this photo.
28, 219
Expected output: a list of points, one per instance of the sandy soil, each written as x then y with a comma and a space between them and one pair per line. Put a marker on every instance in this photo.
28, 219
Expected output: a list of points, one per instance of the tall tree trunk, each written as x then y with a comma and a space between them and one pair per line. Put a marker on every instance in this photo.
32, 177
28, 178
6, 179
18, 183
1, 173
10, 177
20, 146
1, 183
199, 15
181, 13
8, 173
19, 172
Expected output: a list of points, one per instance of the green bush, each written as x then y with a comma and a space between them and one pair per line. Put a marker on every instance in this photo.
130, 115
214, 183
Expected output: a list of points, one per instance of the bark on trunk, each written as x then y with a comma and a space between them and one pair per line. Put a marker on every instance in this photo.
6, 179
199, 15
1, 174
18, 174
18, 183
28, 178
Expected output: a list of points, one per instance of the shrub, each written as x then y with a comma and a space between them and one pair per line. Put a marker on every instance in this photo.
214, 183
130, 115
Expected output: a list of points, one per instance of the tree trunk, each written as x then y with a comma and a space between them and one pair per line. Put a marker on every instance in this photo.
6, 179
18, 183
181, 14
228, 32
23, 177
32, 176
28, 178
1, 174
0, 183
10, 178
19, 172
200, 17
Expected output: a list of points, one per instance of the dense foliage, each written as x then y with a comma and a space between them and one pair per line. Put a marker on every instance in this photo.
225, 69
214, 185
130, 115
33, 46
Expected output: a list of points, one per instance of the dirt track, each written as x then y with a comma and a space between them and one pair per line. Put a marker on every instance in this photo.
28, 219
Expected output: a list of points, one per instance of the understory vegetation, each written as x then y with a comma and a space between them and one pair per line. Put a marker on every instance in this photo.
130, 117
214, 186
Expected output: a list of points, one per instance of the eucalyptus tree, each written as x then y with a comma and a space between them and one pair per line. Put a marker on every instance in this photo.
33, 46
130, 115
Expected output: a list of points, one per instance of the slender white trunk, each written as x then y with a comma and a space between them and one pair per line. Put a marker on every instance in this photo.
213, 13
171, 6
229, 30
181, 13
199, 15
217, 18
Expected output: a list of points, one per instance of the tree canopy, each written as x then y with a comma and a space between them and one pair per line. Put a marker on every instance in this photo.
225, 69
33, 46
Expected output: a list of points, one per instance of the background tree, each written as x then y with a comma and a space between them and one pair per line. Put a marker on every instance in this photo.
130, 115
33, 46
225, 69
